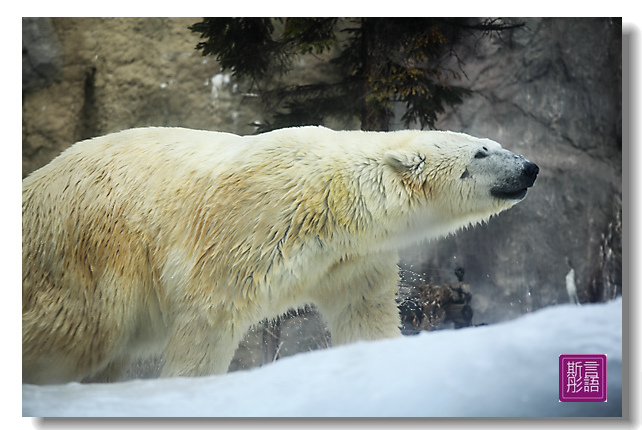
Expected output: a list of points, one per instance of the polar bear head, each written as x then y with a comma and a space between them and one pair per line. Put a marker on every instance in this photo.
460, 179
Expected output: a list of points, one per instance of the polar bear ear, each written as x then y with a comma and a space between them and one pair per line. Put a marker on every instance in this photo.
403, 161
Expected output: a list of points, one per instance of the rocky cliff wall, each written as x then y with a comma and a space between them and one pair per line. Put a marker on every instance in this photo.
84, 77
552, 92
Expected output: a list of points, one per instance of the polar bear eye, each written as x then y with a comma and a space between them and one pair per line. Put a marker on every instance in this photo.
482, 153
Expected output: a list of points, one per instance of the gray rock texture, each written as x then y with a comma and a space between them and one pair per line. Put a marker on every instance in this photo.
41, 54
552, 92
120, 73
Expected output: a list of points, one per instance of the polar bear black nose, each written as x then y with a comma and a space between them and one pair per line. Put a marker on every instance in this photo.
530, 171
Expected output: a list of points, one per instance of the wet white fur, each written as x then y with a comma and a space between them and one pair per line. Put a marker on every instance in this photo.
177, 241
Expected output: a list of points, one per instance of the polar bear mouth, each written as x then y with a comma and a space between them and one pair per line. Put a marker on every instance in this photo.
509, 194
517, 187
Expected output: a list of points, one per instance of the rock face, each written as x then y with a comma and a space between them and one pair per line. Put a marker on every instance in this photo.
551, 92
108, 74
41, 53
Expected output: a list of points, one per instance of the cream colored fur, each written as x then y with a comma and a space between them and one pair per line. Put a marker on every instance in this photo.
176, 241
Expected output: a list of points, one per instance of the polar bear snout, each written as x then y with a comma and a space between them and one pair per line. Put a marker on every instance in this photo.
516, 186
529, 173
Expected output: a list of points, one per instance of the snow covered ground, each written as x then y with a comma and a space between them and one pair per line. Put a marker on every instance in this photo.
504, 370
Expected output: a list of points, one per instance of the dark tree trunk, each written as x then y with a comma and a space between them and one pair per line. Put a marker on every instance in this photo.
374, 117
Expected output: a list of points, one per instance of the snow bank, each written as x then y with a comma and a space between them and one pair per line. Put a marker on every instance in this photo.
505, 370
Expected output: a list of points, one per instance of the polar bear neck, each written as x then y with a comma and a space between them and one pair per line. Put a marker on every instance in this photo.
340, 191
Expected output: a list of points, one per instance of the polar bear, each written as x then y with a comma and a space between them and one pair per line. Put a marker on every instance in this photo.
177, 241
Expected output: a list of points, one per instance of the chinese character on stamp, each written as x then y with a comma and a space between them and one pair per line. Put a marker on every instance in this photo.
582, 378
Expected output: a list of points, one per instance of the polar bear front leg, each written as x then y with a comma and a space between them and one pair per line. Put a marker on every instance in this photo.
357, 299
202, 345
